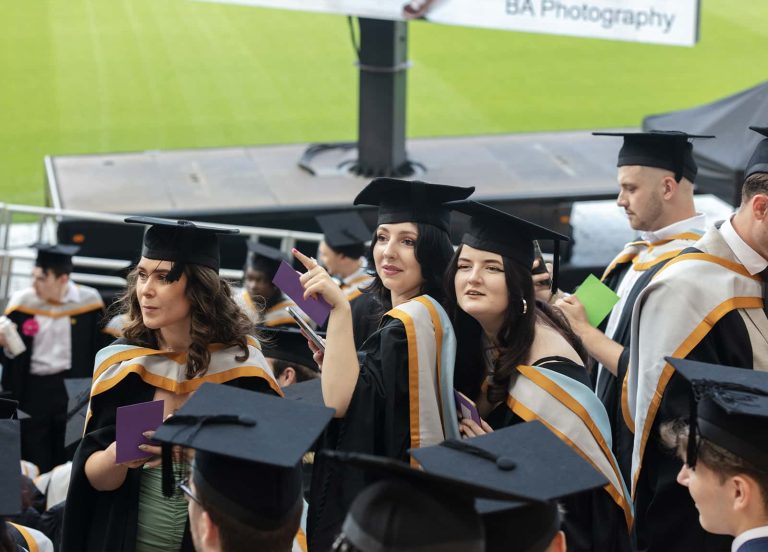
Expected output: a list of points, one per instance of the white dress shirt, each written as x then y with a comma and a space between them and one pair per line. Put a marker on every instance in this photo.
751, 259
52, 344
748, 535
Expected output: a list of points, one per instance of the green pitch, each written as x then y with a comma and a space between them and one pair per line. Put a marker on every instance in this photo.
87, 76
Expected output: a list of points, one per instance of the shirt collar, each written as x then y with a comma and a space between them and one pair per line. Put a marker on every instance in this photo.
747, 256
748, 535
72, 295
698, 222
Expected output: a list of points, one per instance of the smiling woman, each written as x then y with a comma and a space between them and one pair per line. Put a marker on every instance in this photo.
519, 361
388, 394
182, 329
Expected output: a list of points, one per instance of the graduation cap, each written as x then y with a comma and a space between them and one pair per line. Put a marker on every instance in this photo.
286, 344
309, 391
9, 410
55, 256
10, 468
181, 242
411, 201
78, 395
248, 450
264, 258
663, 149
499, 232
729, 407
525, 459
343, 229
758, 163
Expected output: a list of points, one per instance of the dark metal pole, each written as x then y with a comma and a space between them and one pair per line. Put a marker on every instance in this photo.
381, 125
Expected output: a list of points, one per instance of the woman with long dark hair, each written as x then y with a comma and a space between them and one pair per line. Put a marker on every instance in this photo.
518, 360
387, 395
182, 329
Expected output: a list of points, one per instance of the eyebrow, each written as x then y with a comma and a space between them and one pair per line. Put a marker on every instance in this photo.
153, 271
485, 261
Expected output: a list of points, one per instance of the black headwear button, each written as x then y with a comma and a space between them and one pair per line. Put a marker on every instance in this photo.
505, 463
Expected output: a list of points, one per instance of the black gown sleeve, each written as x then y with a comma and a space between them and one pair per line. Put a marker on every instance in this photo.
376, 422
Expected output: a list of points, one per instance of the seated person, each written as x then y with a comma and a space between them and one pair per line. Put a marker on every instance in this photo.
260, 299
287, 352
438, 508
724, 444
342, 251
245, 486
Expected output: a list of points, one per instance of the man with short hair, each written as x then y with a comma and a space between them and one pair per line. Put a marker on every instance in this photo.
724, 446
60, 324
656, 178
245, 483
707, 304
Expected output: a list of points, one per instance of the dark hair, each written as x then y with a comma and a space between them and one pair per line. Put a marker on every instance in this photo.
674, 435
515, 336
216, 318
433, 251
240, 537
353, 251
56, 270
303, 373
754, 184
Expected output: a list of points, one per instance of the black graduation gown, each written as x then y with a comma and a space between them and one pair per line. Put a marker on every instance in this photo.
609, 387
592, 521
106, 520
376, 422
367, 312
663, 506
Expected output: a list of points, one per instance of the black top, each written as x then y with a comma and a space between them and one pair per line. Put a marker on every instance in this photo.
56, 256
342, 229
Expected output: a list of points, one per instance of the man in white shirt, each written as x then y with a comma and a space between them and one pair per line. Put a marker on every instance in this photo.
656, 178
60, 324
707, 304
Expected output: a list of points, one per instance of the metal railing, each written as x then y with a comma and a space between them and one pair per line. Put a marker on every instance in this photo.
47, 222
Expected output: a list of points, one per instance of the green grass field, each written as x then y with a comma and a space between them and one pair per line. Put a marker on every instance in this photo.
81, 76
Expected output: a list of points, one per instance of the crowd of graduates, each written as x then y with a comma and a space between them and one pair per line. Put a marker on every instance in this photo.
455, 399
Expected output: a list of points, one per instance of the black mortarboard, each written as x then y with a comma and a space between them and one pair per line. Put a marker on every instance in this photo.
342, 229
411, 201
309, 391
78, 395
287, 344
57, 256
663, 149
248, 450
265, 258
729, 407
10, 468
758, 163
181, 242
513, 461
505, 234
9, 410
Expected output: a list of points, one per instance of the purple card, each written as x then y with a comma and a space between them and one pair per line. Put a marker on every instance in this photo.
132, 421
287, 279
465, 408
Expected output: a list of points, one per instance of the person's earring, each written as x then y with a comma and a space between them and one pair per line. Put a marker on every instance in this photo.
525, 306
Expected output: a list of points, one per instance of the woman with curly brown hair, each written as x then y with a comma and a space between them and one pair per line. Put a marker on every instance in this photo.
518, 360
183, 329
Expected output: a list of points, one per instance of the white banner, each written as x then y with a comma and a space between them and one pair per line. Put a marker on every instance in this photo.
672, 22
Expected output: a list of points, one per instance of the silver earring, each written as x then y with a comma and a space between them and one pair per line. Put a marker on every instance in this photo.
525, 306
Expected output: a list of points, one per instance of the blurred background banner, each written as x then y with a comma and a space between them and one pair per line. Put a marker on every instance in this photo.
671, 22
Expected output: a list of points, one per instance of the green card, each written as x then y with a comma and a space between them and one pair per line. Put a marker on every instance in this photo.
597, 298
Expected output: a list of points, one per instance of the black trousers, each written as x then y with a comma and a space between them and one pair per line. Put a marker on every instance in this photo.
42, 435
